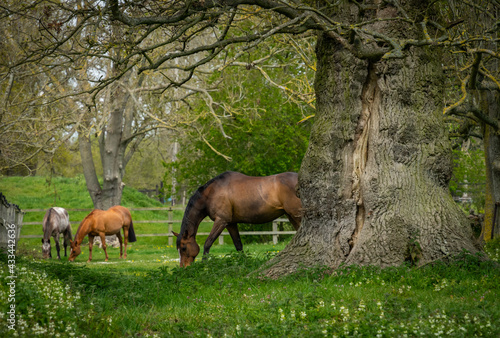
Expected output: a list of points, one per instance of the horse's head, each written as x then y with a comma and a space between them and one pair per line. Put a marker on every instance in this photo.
75, 250
187, 247
46, 248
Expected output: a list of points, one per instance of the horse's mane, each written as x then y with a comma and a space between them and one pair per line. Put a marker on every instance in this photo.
46, 228
83, 222
196, 196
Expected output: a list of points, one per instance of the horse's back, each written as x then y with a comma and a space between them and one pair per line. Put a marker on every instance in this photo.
271, 186
63, 214
124, 212
59, 219
249, 199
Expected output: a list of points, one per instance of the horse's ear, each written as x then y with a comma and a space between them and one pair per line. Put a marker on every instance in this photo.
175, 234
70, 242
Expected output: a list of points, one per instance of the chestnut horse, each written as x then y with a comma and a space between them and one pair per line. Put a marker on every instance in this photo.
104, 223
233, 198
55, 222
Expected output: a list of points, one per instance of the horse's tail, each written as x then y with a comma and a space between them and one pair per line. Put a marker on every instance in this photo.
131, 233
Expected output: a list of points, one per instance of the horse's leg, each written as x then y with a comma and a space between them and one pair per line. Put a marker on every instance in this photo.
103, 241
91, 244
235, 235
58, 248
119, 236
125, 239
294, 220
67, 236
219, 225
293, 209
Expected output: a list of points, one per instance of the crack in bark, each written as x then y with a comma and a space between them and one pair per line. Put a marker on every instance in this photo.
370, 98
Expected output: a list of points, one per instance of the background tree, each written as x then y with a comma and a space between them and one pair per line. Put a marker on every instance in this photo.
30, 123
97, 95
468, 181
474, 63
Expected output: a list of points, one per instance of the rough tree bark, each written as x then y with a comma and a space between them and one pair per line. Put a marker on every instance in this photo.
374, 181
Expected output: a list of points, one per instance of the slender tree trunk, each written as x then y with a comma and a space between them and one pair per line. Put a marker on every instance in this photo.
88, 166
489, 101
374, 181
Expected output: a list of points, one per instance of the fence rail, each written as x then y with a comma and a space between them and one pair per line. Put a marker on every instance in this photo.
170, 221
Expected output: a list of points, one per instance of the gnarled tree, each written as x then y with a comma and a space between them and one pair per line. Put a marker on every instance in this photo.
374, 180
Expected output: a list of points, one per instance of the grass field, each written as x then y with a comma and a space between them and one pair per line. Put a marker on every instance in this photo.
148, 295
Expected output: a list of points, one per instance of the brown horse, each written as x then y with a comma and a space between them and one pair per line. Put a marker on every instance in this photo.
55, 222
104, 223
233, 198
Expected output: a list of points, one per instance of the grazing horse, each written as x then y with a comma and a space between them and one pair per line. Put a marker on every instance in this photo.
55, 222
233, 198
104, 223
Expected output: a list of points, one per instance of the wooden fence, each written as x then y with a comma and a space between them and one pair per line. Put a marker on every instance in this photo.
169, 222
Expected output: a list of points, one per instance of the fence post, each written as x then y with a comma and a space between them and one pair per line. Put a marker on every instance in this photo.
275, 230
170, 226
221, 239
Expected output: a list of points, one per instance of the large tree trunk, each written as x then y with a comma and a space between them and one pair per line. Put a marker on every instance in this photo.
373, 182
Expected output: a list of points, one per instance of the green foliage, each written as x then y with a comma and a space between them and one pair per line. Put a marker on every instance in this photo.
261, 122
469, 177
221, 296
261, 145
492, 248
65, 162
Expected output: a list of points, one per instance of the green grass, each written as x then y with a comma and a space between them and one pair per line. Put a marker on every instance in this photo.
222, 296
149, 295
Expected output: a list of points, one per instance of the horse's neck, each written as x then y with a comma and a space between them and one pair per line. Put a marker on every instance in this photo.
192, 219
47, 231
81, 233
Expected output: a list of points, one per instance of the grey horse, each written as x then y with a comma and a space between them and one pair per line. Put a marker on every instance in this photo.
55, 222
